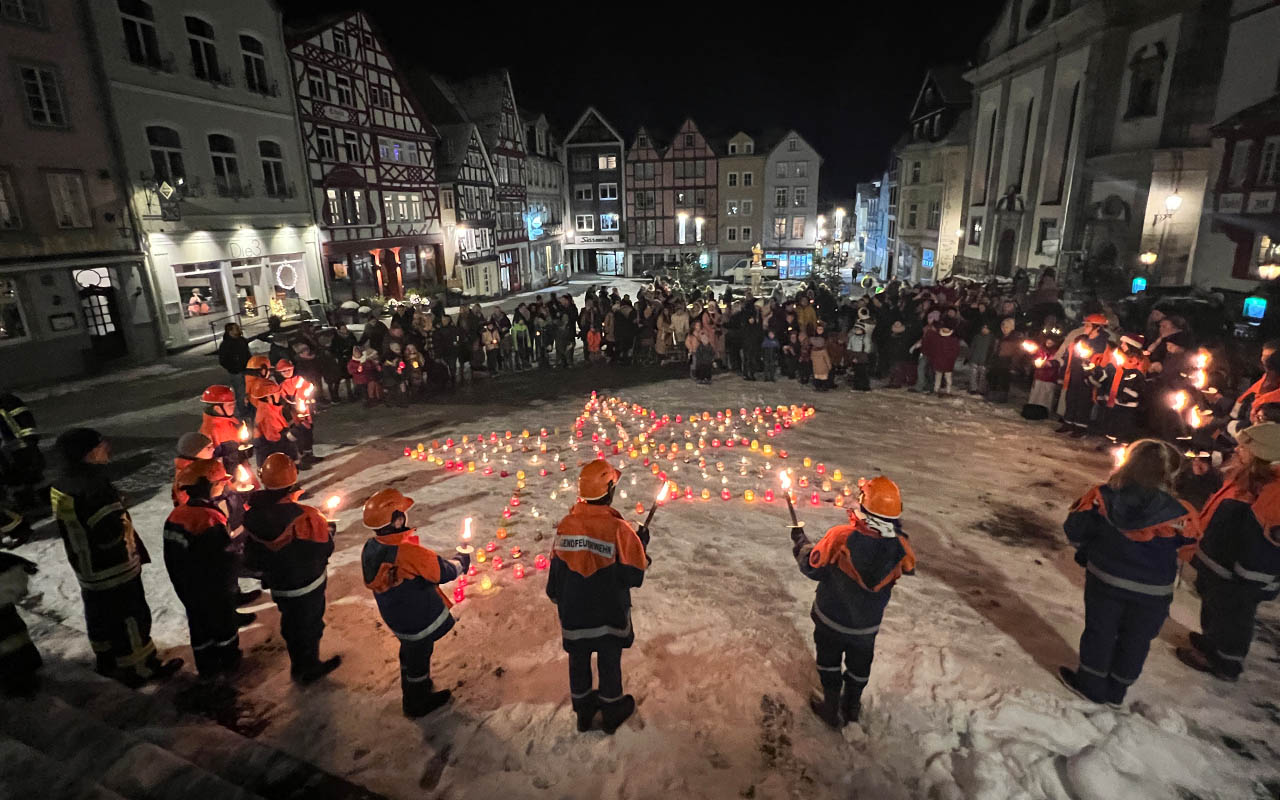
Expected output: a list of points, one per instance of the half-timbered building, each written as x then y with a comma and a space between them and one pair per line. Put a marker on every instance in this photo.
371, 154
489, 102
595, 155
672, 200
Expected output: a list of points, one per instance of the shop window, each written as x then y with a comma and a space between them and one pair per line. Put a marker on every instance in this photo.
13, 324
202, 294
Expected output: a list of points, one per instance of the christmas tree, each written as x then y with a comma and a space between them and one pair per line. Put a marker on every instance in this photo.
689, 275
827, 273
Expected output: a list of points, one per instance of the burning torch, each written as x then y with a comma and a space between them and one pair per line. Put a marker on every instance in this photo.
466, 547
1179, 401
246, 444
1030, 346
331, 506
784, 478
657, 501
244, 479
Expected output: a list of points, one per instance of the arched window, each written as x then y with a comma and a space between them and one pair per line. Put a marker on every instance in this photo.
166, 155
226, 169
140, 42
272, 168
254, 56
204, 51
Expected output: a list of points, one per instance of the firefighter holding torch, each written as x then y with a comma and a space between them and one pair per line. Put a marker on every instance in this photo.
1082, 356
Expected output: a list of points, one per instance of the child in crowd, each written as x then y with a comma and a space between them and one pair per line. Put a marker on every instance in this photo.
769, 350
980, 347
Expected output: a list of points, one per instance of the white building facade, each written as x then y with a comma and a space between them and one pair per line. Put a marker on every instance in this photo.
791, 205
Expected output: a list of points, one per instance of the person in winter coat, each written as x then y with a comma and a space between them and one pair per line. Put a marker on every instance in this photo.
856, 567
597, 558
256, 372
999, 376
751, 335
107, 557
1044, 384
1118, 388
594, 342
523, 341
1086, 353
1129, 534
704, 355
1238, 563
392, 373
769, 350
233, 355
941, 347
405, 579
290, 544
19, 658
980, 348
820, 359
363, 368
566, 341
191, 447
297, 395
898, 356
202, 568
21, 462
272, 430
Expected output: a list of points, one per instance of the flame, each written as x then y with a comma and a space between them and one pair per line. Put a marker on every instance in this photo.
333, 502
785, 479
1118, 456
244, 432
466, 529
1194, 418
242, 474
1082, 350
1179, 401
1199, 379
1119, 357
1040, 362
1202, 359
1029, 346
309, 391
663, 492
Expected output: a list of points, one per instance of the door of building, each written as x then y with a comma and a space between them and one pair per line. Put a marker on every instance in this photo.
101, 313
1004, 252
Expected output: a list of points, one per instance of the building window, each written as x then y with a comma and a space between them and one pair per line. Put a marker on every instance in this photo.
316, 85
582, 191
582, 163
781, 170
1048, 230
1239, 163
935, 215
746, 233
800, 169
645, 199
780, 198
1145, 70
140, 40
27, 12
731, 208
272, 169
975, 231
608, 222
642, 140
341, 44
13, 325
688, 140
893, 197
1269, 168
324, 143
351, 150
204, 52
911, 216
584, 222
800, 196
254, 56
608, 191
10, 219
226, 169
780, 227
732, 178
733, 148
797, 227
603, 162
402, 206
70, 208
44, 96
747, 179
732, 233
342, 89
746, 207
446, 199
893, 229
1056, 176
793, 143
700, 198
165, 147
343, 206
415, 207
388, 207
915, 171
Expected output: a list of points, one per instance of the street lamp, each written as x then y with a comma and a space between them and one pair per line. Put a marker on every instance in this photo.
959, 233
1148, 258
1172, 203
697, 228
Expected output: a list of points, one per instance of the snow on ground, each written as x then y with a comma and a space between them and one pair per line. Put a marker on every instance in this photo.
962, 701
121, 376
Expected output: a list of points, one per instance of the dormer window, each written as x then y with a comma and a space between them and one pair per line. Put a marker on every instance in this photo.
733, 149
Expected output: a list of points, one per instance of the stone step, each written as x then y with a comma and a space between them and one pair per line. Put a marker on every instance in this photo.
117, 760
26, 772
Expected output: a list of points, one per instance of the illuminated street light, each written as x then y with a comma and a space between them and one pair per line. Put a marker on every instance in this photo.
1173, 202
959, 233
681, 219
1148, 258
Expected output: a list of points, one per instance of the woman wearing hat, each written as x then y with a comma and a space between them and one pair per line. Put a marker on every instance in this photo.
596, 560
1238, 564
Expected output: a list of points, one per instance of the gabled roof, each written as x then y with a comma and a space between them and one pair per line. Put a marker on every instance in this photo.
301, 28
481, 98
1265, 113
437, 97
455, 139
655, 144
590, 121
787, 134
948, 81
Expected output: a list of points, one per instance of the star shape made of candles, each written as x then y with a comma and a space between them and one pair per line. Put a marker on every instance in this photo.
726, 454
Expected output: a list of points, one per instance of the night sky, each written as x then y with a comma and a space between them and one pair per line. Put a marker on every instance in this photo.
845, 80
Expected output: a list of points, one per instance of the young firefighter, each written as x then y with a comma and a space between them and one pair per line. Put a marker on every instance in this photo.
273, 434
1119, 389
1081, 357
19, 658
257, 370
21, 461
201, 568
191, 447
221, 426
856, 566
295, 389
1128, 534
1238, 564
405, 578
596, 560
107, 557
290, 544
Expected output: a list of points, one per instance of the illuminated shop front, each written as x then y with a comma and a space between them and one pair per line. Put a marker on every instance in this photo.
792, 264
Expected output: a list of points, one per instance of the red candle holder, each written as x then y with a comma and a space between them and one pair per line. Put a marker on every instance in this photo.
725, 494
408, 451
517, 571
541, 562
768, 495
497, 562
491, 546
459, 594
814, 500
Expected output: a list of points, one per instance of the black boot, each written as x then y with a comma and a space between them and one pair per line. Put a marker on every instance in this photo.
586, 709
1199, 642
314, 671
851, 700
420, 699
827, 706
612, 715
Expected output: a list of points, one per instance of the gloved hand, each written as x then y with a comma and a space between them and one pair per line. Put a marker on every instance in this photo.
1082, 558
797, 535
643, 533
289, 435
333, 528
464, 561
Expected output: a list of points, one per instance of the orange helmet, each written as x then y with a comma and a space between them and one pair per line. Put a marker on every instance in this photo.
209, 469
218, 394
1097, 319
284, 364
382, 507
264, 388
596, 479
279, 472
880, 496
258, 362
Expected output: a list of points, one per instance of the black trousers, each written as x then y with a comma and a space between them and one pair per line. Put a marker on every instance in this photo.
843, 660
302, 625
212, 623
1078, 409
19, 658
1228, 611
415, 672
305, 436
770, 357
859, 376
750, 361
1118, 628
263, 448
608, 664
1120, 423
118, 621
